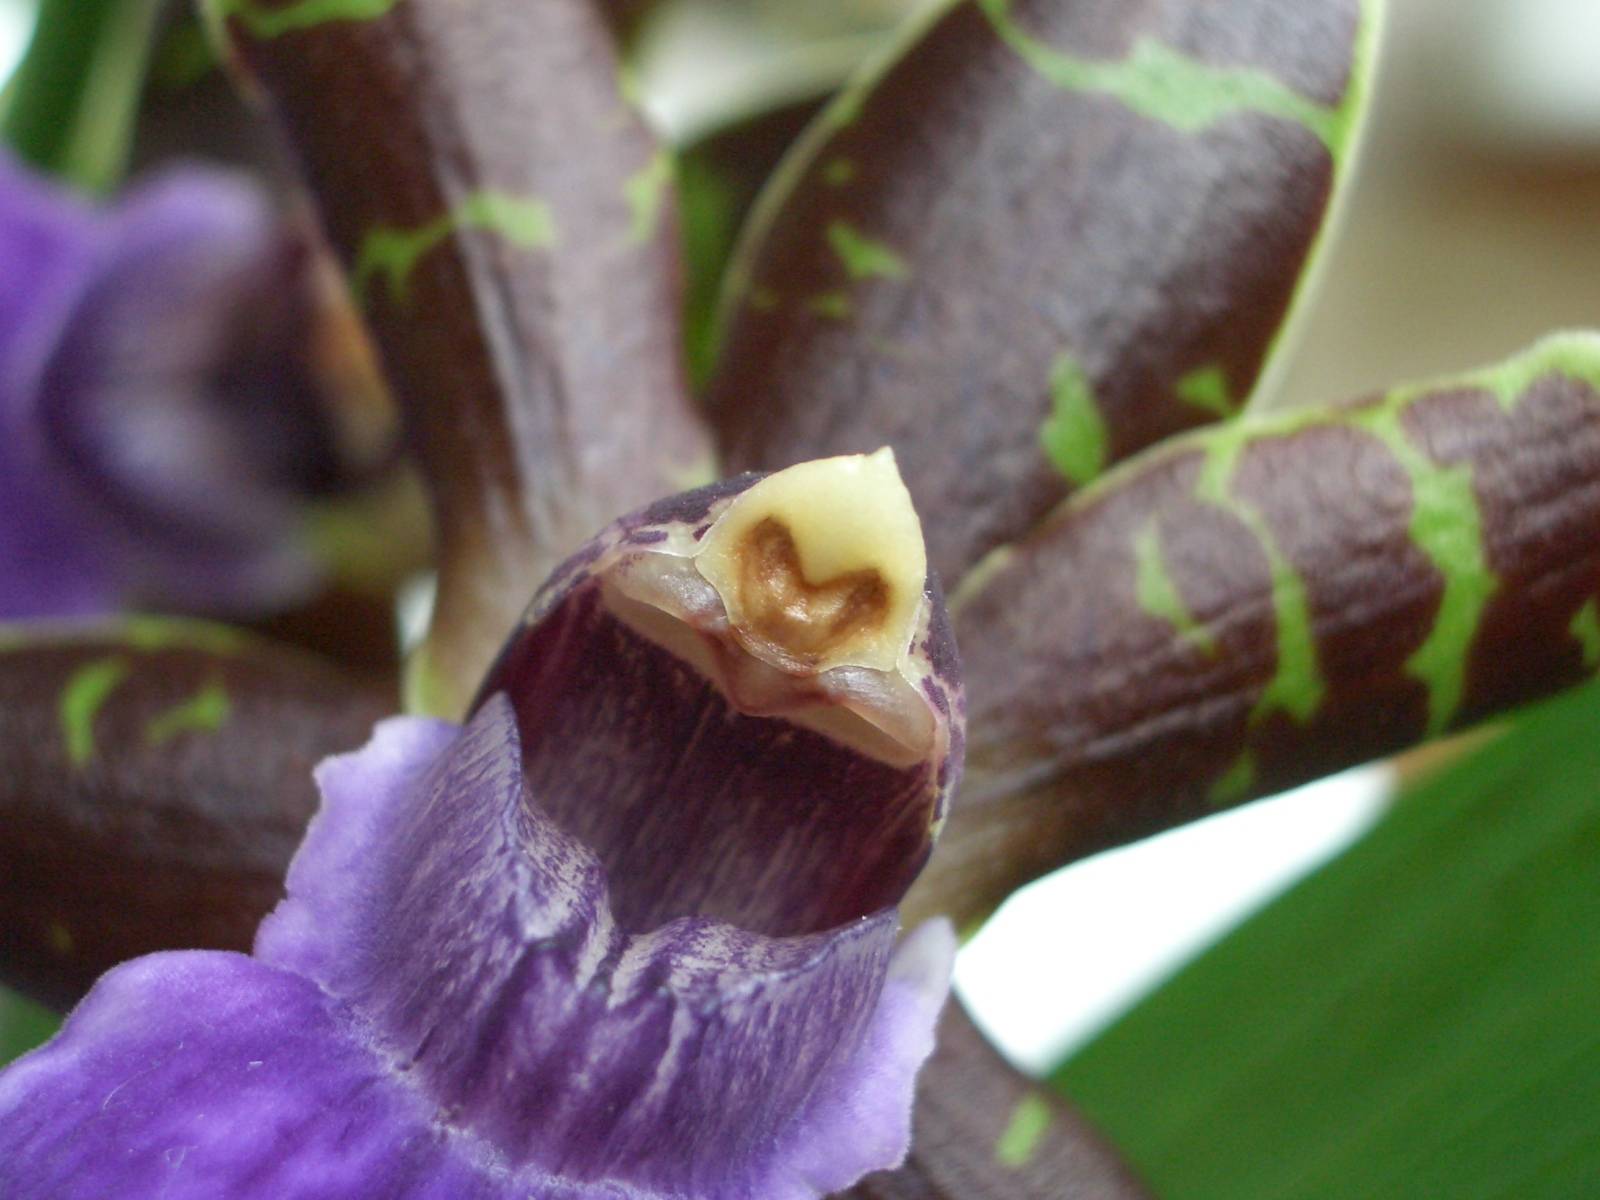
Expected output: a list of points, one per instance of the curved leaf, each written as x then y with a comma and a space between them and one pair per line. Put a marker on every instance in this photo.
507, 221
158, 778
983, 1131
1260, 603
1416, 1019
1043, 237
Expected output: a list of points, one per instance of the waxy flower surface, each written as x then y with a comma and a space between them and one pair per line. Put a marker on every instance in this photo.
161, 426
629, 932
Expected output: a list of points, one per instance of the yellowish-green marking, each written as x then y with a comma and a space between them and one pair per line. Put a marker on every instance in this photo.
1235, 784
1574, 355
264, 21
764, 299
845, 108
205, 712
1446, 523
835, 306
60, 939
1074, 436
1206, 388
1158, 594
1164, 85
172, 633
1446, 526
145, 634
864, 257
840, 172
1024, 1132
1586, 628
394, 253
86, 691
630, 86
646, 192
1296, 686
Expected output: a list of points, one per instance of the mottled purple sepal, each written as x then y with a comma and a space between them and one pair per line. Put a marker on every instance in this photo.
445, 1006
156, 781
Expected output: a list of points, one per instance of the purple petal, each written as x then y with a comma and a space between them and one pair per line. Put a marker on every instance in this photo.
45, 240
438, 900
178, 420
152, 400
482, 1027
198, 1075
864, 1119
47, 248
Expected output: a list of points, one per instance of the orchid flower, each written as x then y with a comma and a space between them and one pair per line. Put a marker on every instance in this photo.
1047, 252
630, 931
164, 423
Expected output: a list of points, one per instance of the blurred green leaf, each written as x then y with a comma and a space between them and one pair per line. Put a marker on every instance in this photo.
70, 106
1416, 1019
23, 1025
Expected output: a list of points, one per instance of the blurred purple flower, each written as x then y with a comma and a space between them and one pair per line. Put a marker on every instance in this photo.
159, 421
621, 936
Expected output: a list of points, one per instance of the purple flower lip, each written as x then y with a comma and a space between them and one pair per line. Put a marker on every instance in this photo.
648, 648
617, 937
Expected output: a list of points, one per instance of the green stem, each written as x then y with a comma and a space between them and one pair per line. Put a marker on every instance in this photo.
71, 104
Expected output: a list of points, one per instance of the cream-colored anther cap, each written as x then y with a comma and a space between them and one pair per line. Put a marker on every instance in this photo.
821, 565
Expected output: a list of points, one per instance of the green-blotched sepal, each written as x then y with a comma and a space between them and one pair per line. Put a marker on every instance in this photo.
157, 780
1260, 603
1043, 237
508, 223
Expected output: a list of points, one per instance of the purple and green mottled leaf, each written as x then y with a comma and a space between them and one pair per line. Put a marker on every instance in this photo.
1258, 603
1416, 1019
1041, 238
158, 778
508, 222
984, 1131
